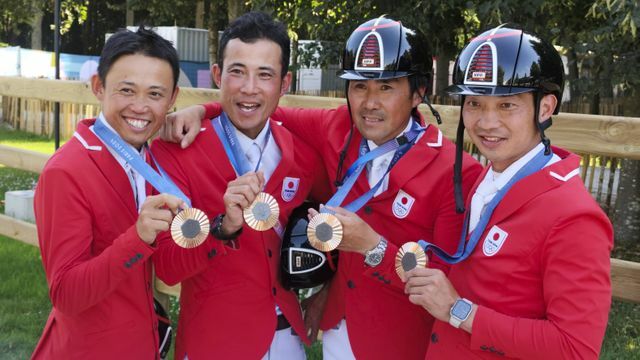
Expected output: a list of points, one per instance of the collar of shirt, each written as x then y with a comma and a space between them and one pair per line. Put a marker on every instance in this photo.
247, 142
373, 146
136, 180
501, 179
271, 154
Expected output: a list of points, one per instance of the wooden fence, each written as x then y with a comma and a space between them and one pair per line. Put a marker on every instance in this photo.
603, 137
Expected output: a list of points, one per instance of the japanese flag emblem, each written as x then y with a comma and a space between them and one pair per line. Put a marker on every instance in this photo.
402, 204
289, 188
494, 240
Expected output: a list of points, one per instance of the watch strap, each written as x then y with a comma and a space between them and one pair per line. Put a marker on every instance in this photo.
216, 230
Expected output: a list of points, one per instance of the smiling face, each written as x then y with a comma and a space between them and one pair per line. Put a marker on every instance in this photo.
381, 109
250, 83
502, 127
136, 95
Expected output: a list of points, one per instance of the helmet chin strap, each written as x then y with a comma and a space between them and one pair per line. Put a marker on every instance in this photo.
457, 166
434, 112
541, 125
343, 153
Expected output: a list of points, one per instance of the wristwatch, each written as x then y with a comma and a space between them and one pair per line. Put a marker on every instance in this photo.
216, 230
374, 256
460, 312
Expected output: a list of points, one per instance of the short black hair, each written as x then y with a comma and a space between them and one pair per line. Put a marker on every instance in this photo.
417, 81
254, 26
145, 42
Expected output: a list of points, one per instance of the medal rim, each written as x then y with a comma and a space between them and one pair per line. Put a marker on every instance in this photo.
262, 225
336, 238
410, 247
190, 214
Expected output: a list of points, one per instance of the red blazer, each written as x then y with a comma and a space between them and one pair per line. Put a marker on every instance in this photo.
381, 322
96, 265
539, 274
228, 297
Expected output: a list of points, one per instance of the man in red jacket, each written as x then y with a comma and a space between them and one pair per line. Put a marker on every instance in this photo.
232, 305
96, 225
532, 279
365, 313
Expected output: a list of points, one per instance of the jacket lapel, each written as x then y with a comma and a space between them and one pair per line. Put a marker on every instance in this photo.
214, 151
416, 160
108, 166
532, 186
284, 140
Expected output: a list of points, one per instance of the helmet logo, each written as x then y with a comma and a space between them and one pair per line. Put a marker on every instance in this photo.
482, 67
370, 54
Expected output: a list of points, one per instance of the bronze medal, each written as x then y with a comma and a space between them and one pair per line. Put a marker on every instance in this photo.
263, 213
324, 232
410, 256
190, 228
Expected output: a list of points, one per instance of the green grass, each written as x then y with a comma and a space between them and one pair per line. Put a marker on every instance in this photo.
24, 303
25, 140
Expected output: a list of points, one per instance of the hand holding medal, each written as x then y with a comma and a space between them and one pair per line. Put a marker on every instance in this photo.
259, 209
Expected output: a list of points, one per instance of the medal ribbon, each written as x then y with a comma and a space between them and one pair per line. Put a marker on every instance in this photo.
402, 144
160, 182
226, 133
224, 129
466, 248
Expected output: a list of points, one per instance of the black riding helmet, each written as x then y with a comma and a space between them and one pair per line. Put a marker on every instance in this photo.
383, 48
505, 61
301, 265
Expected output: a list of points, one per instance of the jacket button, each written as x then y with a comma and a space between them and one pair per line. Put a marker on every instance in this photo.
269, 252
127, 264
484, 348
350, 284
274, 291
368, 210
434, 338
138, 256
212, 253
375, 274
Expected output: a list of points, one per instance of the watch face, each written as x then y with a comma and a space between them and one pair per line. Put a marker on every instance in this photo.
461, 309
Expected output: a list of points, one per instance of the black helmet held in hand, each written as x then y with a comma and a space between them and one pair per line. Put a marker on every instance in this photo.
301, 265
508, 61
383, 48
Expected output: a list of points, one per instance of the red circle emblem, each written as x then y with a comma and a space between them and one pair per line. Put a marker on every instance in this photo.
496, 236
290, 184
404, 200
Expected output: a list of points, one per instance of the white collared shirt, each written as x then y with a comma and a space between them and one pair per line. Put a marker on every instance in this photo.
271, 154
378, 166
495, 181
135, 179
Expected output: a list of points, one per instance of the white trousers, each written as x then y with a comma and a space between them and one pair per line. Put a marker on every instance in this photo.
335, 343
285, 345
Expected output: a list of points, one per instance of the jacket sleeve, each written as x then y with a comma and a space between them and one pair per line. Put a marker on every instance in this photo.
77, 278
577, 293
173, 263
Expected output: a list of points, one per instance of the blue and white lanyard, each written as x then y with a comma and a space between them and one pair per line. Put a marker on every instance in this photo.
232, 148
402, 144
466, 248
161, 182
